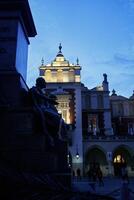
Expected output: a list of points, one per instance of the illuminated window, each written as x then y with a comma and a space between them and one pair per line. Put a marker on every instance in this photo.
65, 76
54, 76
71, 76
64, 115
63, 107
92, 121
77, 78
48, 75
59, 76
119, 159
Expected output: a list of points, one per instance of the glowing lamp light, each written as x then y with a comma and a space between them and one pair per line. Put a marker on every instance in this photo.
77, 153
59, 111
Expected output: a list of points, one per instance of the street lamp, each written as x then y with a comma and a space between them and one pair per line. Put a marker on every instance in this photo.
77, 153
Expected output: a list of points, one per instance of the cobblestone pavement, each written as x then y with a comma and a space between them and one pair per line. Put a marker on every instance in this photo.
112, 187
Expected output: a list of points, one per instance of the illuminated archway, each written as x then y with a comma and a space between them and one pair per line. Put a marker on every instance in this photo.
123, 152
122, 156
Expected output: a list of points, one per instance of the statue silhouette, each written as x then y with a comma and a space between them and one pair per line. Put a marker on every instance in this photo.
52, 124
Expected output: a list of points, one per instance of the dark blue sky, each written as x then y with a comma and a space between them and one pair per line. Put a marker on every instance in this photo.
99, 32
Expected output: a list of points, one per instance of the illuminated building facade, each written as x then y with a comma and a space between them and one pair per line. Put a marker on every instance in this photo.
93, 136
63, 80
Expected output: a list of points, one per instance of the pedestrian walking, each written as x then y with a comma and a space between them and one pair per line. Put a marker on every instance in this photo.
94, 175
89, 174
100, 177
78, 174
124, 174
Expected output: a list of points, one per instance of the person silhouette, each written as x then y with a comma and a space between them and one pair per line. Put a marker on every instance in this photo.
78, 172
100, 177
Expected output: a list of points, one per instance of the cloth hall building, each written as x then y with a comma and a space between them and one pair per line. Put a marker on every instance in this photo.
101, 127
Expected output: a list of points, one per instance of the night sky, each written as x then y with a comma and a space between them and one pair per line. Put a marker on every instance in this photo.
99, 32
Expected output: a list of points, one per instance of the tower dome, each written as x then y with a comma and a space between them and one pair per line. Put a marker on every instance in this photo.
60, 70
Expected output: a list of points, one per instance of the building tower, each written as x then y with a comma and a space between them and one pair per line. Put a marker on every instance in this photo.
64, 80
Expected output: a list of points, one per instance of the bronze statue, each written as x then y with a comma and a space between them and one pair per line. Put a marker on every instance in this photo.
52, 124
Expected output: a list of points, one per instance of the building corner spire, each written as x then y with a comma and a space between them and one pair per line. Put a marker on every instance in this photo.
77, 61
60, 47
42, 61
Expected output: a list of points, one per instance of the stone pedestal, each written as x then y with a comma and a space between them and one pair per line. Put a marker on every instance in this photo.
16, 26
10, 88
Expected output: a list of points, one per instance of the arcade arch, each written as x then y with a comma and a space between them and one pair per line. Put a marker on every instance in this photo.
123, 155
95, 155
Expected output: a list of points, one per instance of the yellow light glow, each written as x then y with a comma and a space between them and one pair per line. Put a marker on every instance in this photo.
60, 76
48, 75
63, 107
119, 159
77, 78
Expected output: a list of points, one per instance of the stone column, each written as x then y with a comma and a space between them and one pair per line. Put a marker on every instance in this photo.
77, 146
110, 166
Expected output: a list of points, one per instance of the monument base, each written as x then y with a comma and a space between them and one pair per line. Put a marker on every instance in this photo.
24, 150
